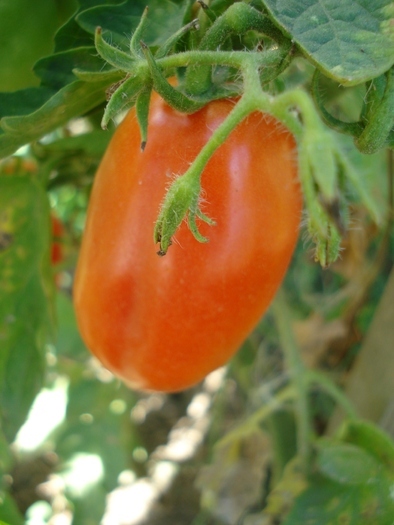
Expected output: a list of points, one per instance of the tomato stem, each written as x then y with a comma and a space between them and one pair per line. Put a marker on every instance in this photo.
315, 377
272, 402
298, 374
377, 130
184, 194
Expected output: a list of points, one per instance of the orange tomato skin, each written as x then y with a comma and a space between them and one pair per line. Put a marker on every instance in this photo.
163, 323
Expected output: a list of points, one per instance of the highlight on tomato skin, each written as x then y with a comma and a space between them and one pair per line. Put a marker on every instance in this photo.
164, 323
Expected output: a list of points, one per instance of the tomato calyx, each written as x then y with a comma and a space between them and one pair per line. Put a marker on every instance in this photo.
198, 86
209, 71
182, 200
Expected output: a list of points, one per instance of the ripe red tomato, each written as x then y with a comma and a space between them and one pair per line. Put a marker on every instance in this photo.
163, 323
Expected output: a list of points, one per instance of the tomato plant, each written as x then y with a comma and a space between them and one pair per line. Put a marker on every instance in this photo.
163, 323
271, 109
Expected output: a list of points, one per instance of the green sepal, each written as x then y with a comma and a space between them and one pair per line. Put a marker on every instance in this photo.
181, 201
319, 150
98, 76
207, 11
320, 226
165, 48
327, 248
324, 234
142, 112
172, 96
122, 99
135, 48
117, 58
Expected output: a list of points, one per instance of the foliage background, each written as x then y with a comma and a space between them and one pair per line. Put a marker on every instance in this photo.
210, 455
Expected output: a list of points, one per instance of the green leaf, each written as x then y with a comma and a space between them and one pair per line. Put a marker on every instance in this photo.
346, 464
328, 503
6, 457
25, 291
92, 424
351, 41
24, 101
57, 70
89, 509
70, 36
165, 18
9, 513
26, 34
94, 144
372, 439
73, 100
68, 342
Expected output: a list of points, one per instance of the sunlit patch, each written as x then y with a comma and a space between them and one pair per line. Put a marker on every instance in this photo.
132, 502
214, 380
148, 404
199, 405
39, 513
47, 413
118, 406
82, 472
140, 455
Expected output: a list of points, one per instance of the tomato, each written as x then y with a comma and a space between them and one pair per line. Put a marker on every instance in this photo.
163, 323
57, 254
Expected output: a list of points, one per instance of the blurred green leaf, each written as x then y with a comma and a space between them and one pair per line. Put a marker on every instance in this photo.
98, 415
351, 41
93, 143
24, 101
348, 484
97, 421
345, 463
9, 513
71, 35
68, 343
328, 503
89, 509
73, 100
5, 454
25, 290
26, 34
56, 70
370, 438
